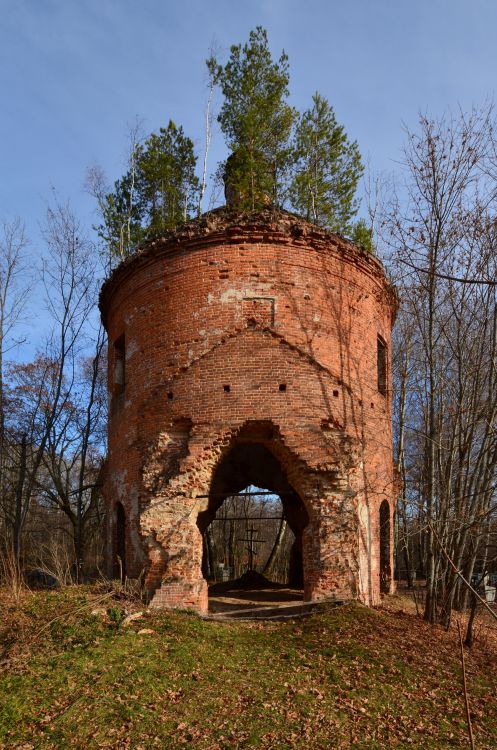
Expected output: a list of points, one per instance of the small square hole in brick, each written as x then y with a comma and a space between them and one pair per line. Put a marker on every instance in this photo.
282, 387
170, 395
226, 388
335, 393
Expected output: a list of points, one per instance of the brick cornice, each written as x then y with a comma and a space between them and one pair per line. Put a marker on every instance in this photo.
268, 226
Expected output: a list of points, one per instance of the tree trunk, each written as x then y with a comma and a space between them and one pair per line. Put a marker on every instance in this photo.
276, 547
20, 509
209, 546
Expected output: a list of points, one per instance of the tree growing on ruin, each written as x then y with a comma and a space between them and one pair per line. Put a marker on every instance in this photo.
276, 157
256, 120
327, 170
167, 184
119, 209
277, 154
158, 192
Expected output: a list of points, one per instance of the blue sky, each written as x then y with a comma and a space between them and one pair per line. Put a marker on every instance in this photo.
73, 73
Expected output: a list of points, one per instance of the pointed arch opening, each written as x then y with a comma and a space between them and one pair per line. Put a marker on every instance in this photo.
253, 527
248, 535
120, 542
385, 567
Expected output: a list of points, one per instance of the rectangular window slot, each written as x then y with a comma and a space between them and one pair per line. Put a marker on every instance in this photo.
382, 366
282, 387
226, 388
119, 365
170, 396
335, 394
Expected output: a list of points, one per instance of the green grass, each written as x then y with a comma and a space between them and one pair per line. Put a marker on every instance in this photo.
349, 677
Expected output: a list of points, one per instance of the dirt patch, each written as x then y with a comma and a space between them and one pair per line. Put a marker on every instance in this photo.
251, 589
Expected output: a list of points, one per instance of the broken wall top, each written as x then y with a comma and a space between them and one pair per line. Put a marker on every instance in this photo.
223, 226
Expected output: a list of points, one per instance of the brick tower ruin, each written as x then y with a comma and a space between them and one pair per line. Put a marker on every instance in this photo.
250, 349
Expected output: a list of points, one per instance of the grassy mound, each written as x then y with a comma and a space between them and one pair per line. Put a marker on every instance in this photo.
76, 674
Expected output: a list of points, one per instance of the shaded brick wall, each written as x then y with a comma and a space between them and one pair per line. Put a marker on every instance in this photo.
255, 329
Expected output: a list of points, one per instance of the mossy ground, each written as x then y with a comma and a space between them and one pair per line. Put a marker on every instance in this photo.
348, 677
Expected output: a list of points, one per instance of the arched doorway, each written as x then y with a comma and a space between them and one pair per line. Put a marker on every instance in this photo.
253, 525
249, 533
120, 542
385, 568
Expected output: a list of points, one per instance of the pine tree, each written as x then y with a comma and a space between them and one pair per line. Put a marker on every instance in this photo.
318, 170
256, 121
158, 192
167, 185
327, 169
122, 212
362, 235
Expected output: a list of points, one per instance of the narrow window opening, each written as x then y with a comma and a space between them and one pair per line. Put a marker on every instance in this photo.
120, 559
119, 364
226, 388
385, 570
170, 395
335, 394
382, 366
282, 387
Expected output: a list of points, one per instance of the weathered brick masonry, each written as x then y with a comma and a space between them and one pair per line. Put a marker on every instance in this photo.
250, 349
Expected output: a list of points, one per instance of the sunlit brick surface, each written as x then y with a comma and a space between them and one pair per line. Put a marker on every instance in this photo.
215, 319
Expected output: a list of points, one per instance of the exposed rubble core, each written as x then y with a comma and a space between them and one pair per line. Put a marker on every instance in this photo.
246, 349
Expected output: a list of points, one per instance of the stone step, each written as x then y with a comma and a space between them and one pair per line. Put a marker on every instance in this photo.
268, 612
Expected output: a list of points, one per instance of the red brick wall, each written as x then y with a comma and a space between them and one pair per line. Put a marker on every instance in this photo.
250, 303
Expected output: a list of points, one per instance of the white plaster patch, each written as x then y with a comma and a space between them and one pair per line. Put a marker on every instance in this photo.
119, 483
364, 552
234, 294
230, 295
131, 348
